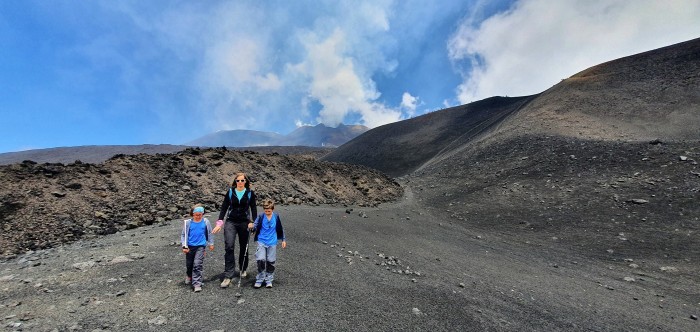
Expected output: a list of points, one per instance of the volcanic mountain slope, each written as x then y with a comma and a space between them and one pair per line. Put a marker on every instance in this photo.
317, 136
401, 147
322, 135
87, 154
652, 95
95, 154
606, 157
237, 137
603, 165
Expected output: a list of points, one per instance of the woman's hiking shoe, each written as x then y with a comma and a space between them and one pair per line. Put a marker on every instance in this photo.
197, 289
225, 283
244, 274
258, 284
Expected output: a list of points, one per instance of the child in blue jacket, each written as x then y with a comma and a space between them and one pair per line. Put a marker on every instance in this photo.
196, 235
269, 227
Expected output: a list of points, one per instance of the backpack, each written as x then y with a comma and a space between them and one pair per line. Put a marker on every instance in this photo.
261, 219
230, 194
188, 222
230, 199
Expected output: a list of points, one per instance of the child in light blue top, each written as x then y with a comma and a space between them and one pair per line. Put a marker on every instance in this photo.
270, 231
195, 236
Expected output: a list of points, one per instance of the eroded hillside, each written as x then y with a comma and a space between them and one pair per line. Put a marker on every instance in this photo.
42, 205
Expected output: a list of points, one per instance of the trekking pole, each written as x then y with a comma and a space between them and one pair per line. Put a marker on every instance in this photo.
245, 259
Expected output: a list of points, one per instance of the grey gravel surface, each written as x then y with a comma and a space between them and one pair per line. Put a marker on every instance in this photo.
400, 268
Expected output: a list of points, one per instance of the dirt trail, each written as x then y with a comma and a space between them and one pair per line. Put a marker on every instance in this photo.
405, 266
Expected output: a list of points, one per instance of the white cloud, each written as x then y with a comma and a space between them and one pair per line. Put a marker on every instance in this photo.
536, 43
236, 82
336, 84
298, 123
409, 103
374, 15
234, 65
260, 61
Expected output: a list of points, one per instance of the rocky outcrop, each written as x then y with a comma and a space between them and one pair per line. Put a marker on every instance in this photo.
42, 205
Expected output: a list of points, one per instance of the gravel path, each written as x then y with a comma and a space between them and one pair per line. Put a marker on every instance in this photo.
398, 268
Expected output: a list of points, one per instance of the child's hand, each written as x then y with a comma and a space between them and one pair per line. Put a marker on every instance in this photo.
185, 250
284, 244
211, 248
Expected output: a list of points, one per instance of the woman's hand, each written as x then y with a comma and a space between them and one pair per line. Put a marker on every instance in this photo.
185, 250
250, 226
216, 229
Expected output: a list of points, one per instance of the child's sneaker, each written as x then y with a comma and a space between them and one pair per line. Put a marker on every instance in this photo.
269, 284
225, 283
258, 284
197, 289
188, 280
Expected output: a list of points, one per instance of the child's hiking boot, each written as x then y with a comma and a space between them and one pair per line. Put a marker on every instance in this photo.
197, 289
188, 280
226, 283
258, 284
269, 284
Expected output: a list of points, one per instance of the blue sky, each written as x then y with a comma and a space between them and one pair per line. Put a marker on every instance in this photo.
150, 72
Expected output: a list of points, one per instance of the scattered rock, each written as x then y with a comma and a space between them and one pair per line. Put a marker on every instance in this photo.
136, 256
120, 259
84, 265
638, 201
7, 278
669, 269
160, 320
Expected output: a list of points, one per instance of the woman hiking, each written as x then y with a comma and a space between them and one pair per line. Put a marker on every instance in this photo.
239, 203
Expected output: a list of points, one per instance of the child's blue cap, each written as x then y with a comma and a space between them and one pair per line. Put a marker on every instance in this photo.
198, 209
